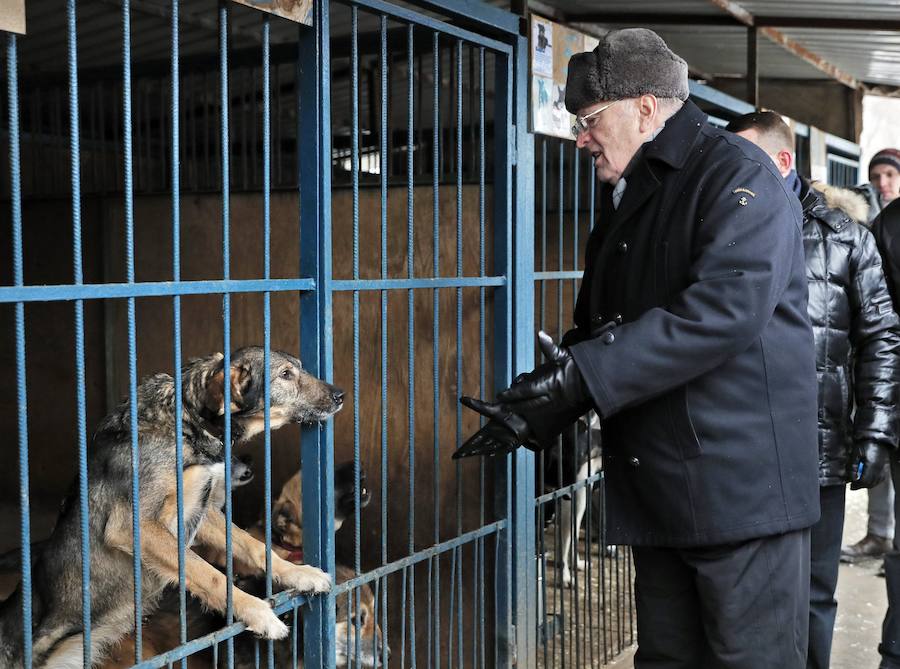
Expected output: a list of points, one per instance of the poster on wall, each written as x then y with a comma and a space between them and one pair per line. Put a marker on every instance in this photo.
552, 46
541, 47
548, 108
298, 11
566, 43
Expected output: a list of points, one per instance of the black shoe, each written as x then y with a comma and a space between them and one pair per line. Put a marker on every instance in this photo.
870, 546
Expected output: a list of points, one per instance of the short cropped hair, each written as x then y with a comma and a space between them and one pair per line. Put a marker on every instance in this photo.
774, 134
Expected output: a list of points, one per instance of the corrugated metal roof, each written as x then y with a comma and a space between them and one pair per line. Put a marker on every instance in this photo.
871, 56
839, 9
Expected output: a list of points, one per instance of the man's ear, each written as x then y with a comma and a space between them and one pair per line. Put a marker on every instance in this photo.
785, 161
648, 107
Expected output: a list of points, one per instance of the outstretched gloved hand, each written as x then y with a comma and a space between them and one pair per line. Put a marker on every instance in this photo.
550, 397
870, 467
504, 432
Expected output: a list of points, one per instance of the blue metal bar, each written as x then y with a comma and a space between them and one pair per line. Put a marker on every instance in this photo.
225, 152
457, 555
105, 291
132, 344
562, 492
267, 308
435, 655
478, 571
486, 16
716, 97
316, 329
410, 332
384, 167
417, 283
78, 277
433, 23
15, 178
522, 476
420, 556
354, 156
281, 603
558, 276
176, 334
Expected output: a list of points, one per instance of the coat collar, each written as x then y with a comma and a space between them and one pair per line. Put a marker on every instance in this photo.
671, 147
814, 206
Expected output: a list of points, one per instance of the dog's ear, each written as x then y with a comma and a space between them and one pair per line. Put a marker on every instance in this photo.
214, 395
241, 383
241, 387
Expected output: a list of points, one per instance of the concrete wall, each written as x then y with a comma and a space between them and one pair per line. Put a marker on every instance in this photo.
826, 104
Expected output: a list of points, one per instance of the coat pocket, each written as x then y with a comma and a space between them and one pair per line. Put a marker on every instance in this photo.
682, 426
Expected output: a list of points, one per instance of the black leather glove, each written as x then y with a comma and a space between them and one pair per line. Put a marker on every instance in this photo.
870, 467
504, 432
552, 396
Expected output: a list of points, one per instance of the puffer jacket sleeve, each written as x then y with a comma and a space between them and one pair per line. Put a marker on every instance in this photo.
875, 335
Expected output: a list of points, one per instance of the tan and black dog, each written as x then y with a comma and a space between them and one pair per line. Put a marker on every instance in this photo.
296, 397
161, 631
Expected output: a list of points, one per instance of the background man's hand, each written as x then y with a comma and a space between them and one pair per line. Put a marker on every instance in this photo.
872, 458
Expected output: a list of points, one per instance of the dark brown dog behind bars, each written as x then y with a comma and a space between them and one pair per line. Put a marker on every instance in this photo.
296, 397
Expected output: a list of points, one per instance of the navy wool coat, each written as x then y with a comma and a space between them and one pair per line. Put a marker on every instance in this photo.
707, 383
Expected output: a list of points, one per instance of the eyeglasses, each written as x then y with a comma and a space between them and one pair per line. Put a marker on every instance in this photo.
581, 122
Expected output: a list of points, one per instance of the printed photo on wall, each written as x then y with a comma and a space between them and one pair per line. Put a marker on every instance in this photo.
541, 47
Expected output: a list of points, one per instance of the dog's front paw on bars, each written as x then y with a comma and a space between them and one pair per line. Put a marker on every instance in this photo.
306, 578
259, 618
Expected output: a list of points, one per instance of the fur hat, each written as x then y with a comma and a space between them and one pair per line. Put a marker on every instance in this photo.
625, 64
886, 157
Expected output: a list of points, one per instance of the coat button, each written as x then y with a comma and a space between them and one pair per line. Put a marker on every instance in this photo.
618, 319
597, 318
634, 462
609, 338
622, 247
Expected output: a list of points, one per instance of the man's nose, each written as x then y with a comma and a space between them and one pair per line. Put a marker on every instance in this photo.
581, 140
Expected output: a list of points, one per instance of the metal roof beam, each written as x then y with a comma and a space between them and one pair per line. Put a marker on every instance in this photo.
643, 18
827, 23
734, 10
813, 59
790, 45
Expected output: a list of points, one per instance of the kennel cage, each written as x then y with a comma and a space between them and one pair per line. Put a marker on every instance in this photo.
359, 191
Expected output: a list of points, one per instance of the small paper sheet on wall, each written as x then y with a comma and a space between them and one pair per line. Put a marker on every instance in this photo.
12, 16
552, 46
298, 11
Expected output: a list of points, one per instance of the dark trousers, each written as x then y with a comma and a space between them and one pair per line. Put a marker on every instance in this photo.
890, 629
739, 606
825, 556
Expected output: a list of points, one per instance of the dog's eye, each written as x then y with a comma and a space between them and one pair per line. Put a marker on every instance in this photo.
285, 374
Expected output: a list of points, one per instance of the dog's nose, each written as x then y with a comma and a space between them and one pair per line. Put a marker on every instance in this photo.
337, 394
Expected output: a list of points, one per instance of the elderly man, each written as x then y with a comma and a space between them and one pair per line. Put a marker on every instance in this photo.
693, 344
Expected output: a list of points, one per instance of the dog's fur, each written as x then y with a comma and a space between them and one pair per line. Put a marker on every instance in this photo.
161, 630
576, 460
296, 397
160, 633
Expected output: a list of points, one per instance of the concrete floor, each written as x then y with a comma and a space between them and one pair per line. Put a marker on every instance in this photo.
861, 602
861, 596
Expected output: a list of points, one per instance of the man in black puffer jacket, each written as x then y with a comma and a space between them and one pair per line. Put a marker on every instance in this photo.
857, 359
887, 232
